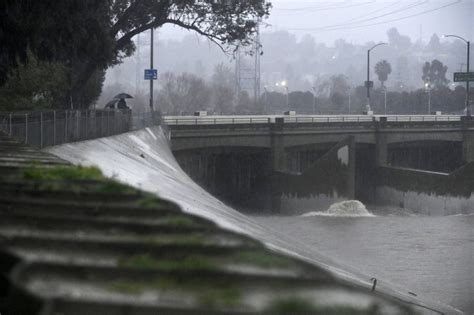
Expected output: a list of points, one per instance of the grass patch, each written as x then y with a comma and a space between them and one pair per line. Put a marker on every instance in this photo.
59, 178
214, 298
126, 287
62, 173
146, 261
190, 239
179, 220
297, 305
149, 202
262, 259
207, 292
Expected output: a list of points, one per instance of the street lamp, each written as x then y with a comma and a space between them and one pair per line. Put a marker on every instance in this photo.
265, 100
285, 85
428, 89
468, 112
368, 83
314, 99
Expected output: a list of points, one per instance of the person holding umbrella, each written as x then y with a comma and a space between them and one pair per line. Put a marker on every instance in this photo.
121, 103
120, 100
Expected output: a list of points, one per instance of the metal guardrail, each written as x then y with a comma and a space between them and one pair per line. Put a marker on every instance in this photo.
234, 120
216, 120
49, 128
418, 118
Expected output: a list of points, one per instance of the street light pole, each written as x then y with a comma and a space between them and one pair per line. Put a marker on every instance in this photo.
151, 67
265, 105
428, 89
468, 111
385, 99
367, 83
314, 100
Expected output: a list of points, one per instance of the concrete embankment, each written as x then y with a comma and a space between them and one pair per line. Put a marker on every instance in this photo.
143, 159
425, 192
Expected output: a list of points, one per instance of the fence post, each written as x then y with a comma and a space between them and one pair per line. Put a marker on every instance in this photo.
65, 127
54, 127
41, 129
88, 116
26, 128
77, 126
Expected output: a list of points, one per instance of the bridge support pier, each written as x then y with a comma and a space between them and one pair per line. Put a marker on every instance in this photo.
381, 147
468, 139
278, 146
468, 146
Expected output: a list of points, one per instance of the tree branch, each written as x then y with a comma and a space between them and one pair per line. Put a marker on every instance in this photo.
123, 19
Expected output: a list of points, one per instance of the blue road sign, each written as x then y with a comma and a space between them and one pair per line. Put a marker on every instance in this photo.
151, 74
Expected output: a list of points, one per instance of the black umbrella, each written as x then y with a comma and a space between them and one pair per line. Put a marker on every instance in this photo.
123, 95
111, 104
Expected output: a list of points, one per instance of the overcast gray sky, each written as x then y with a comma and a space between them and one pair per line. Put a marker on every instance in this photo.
359, 21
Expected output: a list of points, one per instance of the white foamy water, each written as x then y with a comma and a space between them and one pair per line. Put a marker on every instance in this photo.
347, 208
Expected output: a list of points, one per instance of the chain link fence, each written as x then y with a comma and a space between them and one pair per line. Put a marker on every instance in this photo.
49, 128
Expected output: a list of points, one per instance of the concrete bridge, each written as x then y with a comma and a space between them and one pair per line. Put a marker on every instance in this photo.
238, 153
286, 133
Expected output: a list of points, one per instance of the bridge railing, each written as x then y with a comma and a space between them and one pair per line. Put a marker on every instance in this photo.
418, 118
234, 120
53, 127
327, 119
216, 120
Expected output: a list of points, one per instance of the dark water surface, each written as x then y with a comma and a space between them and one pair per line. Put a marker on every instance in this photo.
432, 256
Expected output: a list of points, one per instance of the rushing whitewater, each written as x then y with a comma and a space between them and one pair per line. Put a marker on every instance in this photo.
347, 208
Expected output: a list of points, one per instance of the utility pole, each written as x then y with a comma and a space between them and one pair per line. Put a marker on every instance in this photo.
151, 67
467, 109
138, 77
428, 90
369, 83
247, 71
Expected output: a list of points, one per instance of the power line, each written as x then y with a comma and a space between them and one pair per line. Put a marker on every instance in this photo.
406, 8
345, 26
402, 9
332, 6
374, 11
402, 18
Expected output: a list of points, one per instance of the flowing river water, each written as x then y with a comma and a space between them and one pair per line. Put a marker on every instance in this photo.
432, 255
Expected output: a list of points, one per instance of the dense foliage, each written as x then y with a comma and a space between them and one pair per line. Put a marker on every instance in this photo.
88, 36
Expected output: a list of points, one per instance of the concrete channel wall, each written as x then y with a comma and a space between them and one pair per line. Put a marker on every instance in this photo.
330, 179
425, 192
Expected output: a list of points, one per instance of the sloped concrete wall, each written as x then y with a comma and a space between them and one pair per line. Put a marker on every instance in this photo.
425, 192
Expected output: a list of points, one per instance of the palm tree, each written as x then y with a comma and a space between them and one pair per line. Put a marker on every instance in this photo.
383, 69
